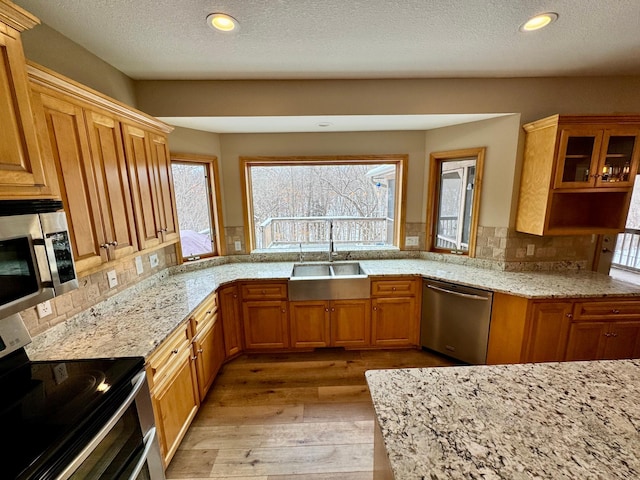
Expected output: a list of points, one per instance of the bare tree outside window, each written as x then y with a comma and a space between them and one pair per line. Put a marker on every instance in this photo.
293, 204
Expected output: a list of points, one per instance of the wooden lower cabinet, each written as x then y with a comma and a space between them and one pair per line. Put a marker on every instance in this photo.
231, 321
393, 322
542, 331
266, 324
603, 340
208, 347
337, 323
175, 403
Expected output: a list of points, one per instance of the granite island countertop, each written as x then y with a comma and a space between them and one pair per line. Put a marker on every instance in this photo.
135, 321
572, 420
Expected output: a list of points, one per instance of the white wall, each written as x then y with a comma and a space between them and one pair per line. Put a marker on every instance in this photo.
501, 166
291, 144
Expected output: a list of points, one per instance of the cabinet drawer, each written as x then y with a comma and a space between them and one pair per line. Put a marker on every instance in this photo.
607, 310
400, 287
205, 314
165, 359
264, 291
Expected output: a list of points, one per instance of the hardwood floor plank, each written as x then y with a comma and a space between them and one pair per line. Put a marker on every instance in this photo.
293, 460
337, 412
237, 396
325, 476
188, 463
284, 435
212, 415
340, 394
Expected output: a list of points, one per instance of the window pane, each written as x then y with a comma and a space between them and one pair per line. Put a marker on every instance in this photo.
455, 204
192, 202
293, 204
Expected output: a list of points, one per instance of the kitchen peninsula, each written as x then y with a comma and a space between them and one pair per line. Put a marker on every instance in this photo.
572, 420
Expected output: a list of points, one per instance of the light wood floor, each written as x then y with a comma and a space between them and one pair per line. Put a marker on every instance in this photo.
297, 416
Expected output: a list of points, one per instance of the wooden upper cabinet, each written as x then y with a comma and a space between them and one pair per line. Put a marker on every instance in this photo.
578, 174
152, 186
112, 180
70, 149
164, 187
25, 170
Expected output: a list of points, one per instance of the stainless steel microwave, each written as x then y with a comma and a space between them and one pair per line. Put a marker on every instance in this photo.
36, 259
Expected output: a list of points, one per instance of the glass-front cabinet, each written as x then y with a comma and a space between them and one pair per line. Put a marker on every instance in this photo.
590, 157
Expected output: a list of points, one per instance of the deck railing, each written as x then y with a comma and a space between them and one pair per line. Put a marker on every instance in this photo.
627, 252
283, 232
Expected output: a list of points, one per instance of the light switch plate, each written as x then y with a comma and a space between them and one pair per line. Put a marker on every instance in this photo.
411, 241
153, 260
60, 373
238, 245
112, 278
44, 309
531, 249
139, 266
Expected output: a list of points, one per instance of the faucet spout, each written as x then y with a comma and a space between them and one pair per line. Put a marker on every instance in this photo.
331, 245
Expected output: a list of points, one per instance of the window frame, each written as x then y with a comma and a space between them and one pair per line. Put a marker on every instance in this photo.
433, 204
210, 164
400, 161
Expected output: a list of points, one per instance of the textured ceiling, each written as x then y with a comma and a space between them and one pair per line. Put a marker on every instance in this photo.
168, 39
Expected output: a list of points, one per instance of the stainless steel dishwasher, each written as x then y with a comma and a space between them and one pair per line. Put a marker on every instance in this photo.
455, 320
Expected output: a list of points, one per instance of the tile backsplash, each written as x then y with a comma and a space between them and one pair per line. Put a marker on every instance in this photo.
94, 288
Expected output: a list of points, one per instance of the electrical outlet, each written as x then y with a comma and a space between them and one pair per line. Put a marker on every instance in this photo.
44, 309
153, 260
139, 266
411, 241
60, 373
531, 249
112, 278
238, 245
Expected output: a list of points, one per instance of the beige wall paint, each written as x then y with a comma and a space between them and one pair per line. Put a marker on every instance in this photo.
533, 98
186, 140
47, 47
500, 181
356, 143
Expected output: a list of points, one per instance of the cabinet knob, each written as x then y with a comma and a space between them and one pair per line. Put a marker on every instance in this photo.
174, 351
333, 309
199, 350
104, 245
615, 310
235, 295
208, 312
375, 308
284, 310
326, 309
195, 357
393, 289
114, 244
569, 315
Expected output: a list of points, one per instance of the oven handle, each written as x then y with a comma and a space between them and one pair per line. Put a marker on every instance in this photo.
137, 382
148, 443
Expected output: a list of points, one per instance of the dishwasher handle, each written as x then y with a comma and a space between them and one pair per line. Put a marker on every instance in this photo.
457, 294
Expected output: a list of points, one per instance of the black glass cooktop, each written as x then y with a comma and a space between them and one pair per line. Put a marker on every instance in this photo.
49, 410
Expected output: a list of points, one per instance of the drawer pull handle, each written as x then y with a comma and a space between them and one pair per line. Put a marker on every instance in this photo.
615, 310
195, 357
199, 350
209, 312
174, 351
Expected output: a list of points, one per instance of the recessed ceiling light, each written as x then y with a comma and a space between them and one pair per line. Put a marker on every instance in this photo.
538, 22
222, 22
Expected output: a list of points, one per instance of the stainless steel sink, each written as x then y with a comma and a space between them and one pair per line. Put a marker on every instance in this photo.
328, 281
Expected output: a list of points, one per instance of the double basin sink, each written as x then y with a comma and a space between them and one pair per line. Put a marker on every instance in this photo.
328, 281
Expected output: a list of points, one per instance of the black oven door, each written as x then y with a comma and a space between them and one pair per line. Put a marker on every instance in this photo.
126, 448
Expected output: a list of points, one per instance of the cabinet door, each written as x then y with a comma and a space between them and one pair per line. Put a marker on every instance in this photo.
231, 324
265, 324
310, 324
619, 158
175, 403
586, 340
143, 186
209, 351
23, 169
578, 157
70, 149
112, 180
622, 341
164, 187
548, 332
350, 323
394, 322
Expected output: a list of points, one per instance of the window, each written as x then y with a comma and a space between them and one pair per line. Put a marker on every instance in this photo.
199, 219
294, 202
454, 200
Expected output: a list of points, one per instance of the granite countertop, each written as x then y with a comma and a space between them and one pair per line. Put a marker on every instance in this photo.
135, 321
572, 420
